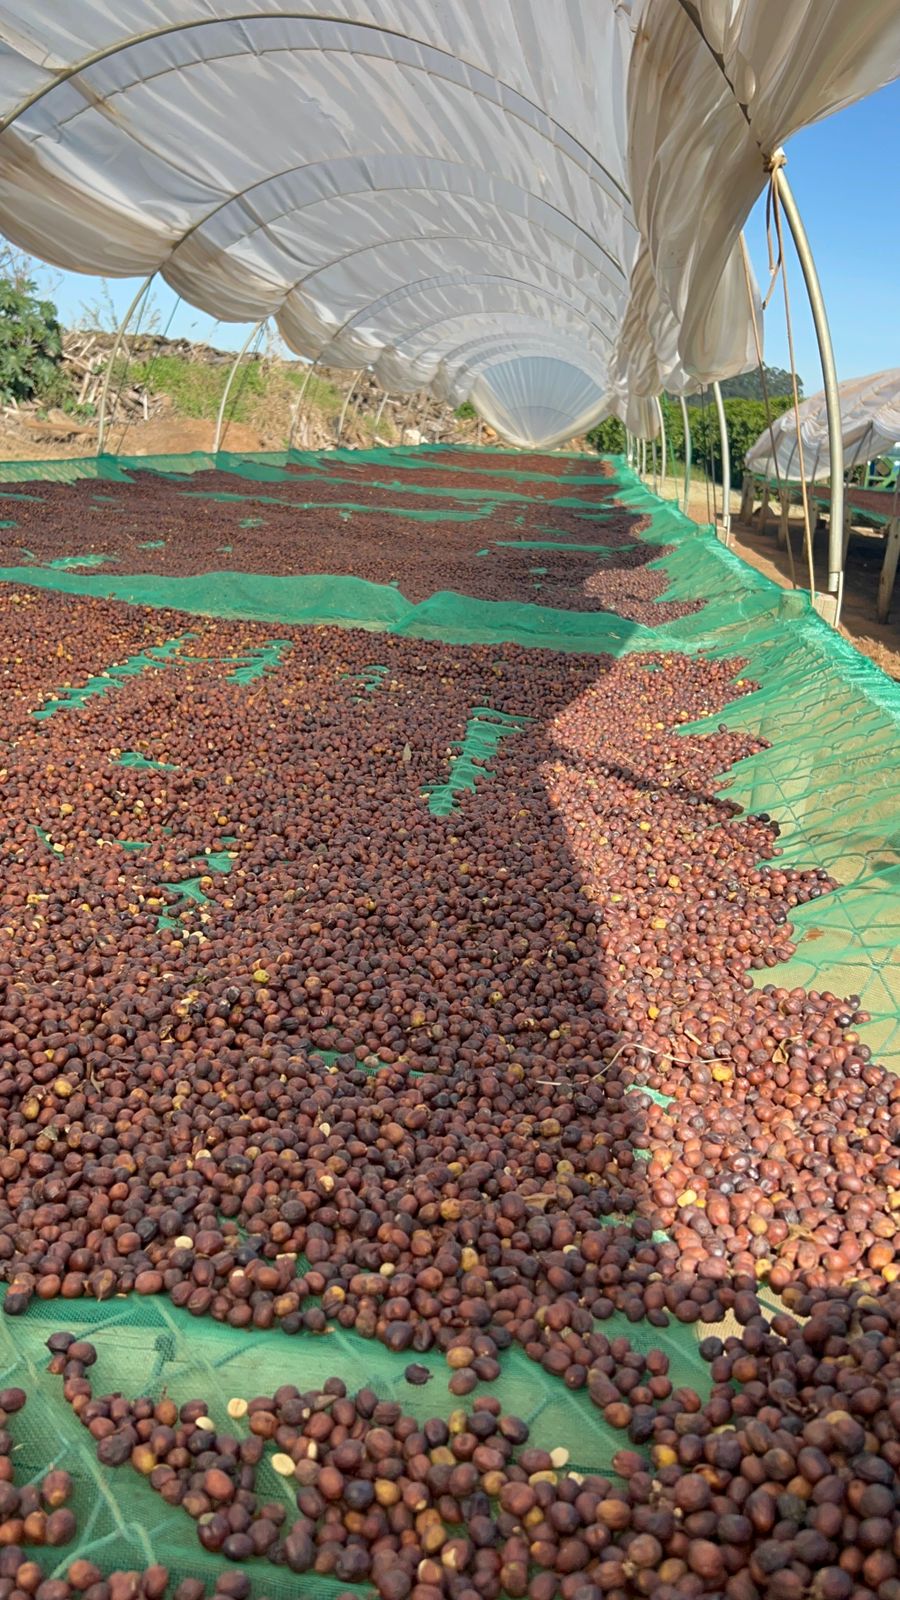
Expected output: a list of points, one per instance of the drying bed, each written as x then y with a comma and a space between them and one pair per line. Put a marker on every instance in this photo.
571, 550
419, 1153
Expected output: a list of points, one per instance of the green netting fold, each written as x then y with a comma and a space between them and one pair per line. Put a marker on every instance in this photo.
134, 758
149, 1347
269, 466
73, 697
558, 544
485, 730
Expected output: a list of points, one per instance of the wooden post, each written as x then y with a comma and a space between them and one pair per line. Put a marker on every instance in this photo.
785, 500
888, 569
846, 532
762, 514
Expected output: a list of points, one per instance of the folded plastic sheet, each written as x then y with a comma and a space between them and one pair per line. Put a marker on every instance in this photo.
870, 426
387, 158
715, 88
354, 175
530, 395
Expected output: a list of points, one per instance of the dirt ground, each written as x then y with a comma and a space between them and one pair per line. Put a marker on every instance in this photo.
880, 641
159, 436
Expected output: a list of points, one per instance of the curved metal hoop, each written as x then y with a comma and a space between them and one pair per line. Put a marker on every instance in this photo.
726, 461
255, 331
687, 455
113, 355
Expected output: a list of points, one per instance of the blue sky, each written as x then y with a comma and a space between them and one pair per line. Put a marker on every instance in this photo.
844, 173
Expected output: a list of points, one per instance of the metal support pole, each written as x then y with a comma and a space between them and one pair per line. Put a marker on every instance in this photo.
303, 388
653, 459
409, 414
107, 376
347, 398
642, 470
220, 419
687, 455
726, 462
384, 398
662, 435
847, 530
830, 384
784, 519
889, 569
356, 404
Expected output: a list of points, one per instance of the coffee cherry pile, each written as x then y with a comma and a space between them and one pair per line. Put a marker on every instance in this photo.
487, 981
33, 1513
375, 983
345, 522
782, 1479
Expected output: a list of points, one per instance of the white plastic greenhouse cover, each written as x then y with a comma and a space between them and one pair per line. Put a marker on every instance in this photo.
870, 425
534, 204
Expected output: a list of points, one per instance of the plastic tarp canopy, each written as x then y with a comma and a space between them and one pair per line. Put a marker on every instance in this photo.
535, 204
870, 426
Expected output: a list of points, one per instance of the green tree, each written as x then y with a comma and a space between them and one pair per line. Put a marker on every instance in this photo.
608, 437
745, 419
30, 345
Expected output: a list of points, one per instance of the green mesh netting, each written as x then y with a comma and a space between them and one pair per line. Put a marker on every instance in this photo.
74, 562
484, 731
348, 508
133, 758
830, 779
557, 544
270, 466
147, 1346
74, 697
